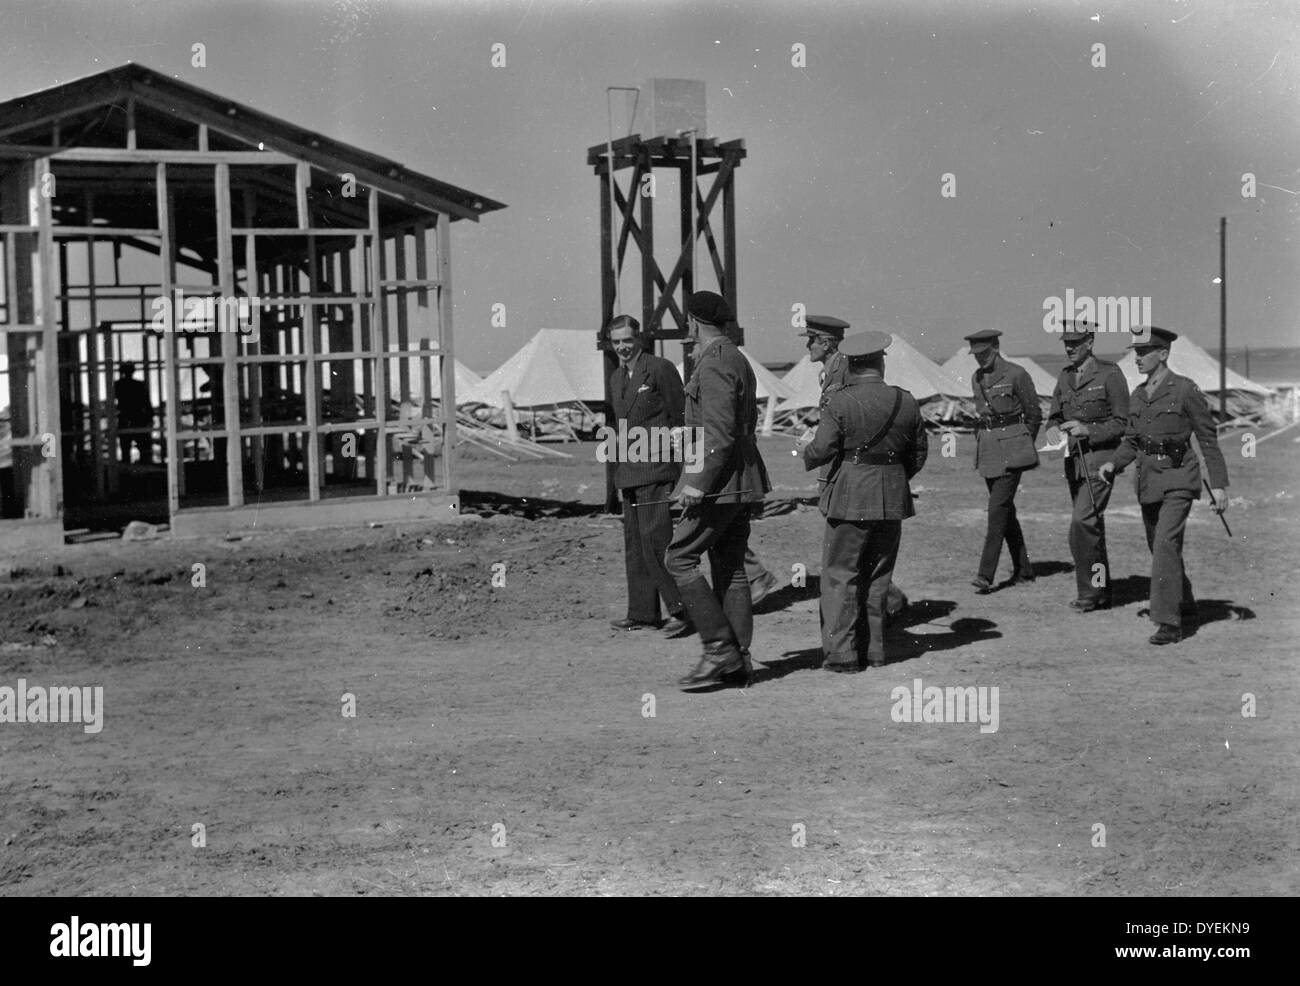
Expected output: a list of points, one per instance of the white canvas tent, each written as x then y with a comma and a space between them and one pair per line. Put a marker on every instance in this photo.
555, 367
962, 365
1188, 359
904, 367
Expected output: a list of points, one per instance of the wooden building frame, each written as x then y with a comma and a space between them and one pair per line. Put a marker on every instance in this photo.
146, 220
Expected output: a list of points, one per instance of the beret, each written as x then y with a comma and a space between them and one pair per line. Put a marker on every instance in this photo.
709, 306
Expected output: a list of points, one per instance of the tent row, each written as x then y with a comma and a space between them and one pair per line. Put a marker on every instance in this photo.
557, 377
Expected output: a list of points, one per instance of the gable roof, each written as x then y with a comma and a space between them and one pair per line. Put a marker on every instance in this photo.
113, 87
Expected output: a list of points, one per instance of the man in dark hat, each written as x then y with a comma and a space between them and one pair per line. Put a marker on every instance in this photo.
874, 436
1164, 413
1009, 417
731, 476
646, 394
1090, 407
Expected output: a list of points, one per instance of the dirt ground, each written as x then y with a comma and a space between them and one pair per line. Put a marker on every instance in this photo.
501, 743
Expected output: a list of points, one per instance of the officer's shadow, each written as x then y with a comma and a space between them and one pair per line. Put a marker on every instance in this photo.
1137, 589
903, 639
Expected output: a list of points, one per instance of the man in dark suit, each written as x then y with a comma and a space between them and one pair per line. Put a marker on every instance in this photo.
716, 492
648, 402
1164, 413
1009, 417
1090, 407
874, 438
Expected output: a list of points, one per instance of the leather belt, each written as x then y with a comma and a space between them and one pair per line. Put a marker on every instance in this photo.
1165, 446
1002, 420
865, 457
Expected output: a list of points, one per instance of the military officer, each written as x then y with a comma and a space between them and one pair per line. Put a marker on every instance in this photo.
1163, 415
824, 333
1090, 407
1009, 417
873, 435
717, 497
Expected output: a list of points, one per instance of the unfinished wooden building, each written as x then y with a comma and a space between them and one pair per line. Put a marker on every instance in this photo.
283, 301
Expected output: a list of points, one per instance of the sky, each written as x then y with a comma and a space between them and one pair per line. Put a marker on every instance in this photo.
1107, 180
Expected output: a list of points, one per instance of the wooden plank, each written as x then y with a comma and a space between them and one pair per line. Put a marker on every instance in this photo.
379, 342
50, 490
164, 155
311, 373
92, 364
414, 283
230, 343
334, 231
203, 137
446, 343
130, 123
103, 232
425, 331
403, 364
254, 375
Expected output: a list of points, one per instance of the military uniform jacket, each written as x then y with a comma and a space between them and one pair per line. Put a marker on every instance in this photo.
652, 398
1097, 396
1005, 389
852, 416
720, 400
1171, 416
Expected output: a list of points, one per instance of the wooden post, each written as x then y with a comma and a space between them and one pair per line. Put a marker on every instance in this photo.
49, 493
229, 342
171, 381
311, 379
1223, 318
403, 345
446, 343
512, 424
379, 343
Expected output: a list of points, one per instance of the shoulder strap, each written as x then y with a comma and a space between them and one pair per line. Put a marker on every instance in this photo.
893, 414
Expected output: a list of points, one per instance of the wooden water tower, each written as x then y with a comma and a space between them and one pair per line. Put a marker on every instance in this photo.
668, 133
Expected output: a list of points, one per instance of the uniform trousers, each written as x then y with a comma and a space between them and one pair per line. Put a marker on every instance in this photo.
1088, 537
722, 614
1003, 525
857, 567
1171, 591
646, 533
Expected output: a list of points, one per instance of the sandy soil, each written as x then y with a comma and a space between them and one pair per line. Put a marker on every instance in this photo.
500, 743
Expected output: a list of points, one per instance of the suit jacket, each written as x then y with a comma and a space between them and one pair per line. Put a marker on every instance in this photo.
1175, 412
1004, 389
852, 416
720, 403
652, 398
1097, 397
